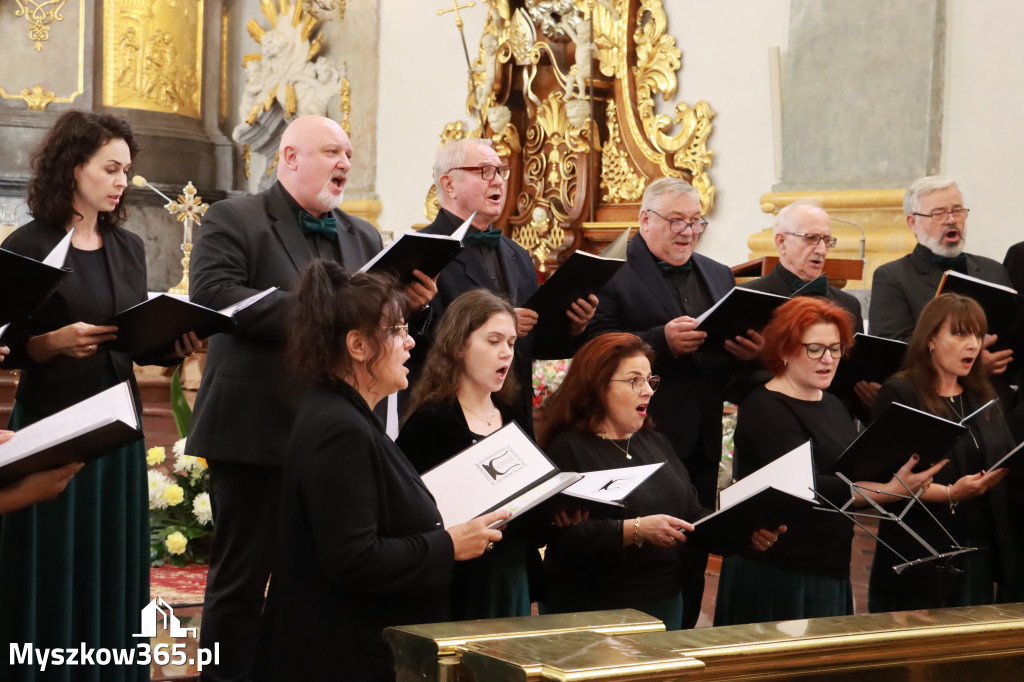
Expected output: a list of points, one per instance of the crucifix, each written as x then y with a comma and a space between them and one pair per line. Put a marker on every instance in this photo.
459, 25
189, 210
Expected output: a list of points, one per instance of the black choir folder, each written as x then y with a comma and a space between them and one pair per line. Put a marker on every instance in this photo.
899, 432
150, 328
780, 492
736, 312
428, 253
26, 283
872, 358
579, 276
1003, 306
79, 433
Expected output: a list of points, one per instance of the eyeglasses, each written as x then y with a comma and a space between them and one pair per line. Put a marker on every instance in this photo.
401, 330
940, 214
637, 383
814, 239
816, 350
679, 226
486, 172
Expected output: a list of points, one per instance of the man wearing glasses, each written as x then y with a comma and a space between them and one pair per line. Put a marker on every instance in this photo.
901, 289
469, 177
803, 237
657, 295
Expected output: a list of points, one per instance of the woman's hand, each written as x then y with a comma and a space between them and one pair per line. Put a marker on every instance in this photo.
187, 345
78, 340
473, 538
661, 530
762, 539
4, 350
564, 518
975, 485
894, 490
37, 487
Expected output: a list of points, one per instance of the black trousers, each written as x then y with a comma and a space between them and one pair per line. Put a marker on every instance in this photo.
245, 499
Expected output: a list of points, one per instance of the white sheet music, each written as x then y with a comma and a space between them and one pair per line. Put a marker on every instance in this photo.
59, 254
460, 233
611, 486
505, 464
792, 473
246, 302
112, 405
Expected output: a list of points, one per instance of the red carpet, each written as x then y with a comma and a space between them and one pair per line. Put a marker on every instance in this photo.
179, 586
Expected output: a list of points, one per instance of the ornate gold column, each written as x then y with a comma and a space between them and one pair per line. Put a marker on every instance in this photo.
879, 212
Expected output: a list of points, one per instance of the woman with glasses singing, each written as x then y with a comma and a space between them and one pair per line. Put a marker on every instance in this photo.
454, 404
807, 573
619, 557
361, 545
942, 374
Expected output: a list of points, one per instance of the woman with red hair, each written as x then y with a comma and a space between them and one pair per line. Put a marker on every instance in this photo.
807, 573
619, 557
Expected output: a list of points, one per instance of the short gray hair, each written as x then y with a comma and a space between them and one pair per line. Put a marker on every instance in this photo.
453, 155
923, 186
787, 215
675, 186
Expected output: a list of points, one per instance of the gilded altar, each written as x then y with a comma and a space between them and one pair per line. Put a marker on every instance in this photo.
568, 92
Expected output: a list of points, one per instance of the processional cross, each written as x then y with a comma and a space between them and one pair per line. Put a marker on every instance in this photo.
459, 25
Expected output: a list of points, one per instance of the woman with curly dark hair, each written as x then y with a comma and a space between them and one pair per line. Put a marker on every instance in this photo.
75, 570
454, 405
361, 544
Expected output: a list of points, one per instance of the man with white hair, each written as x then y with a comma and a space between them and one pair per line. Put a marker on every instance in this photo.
249, 396
657, 295
470, 177
900, 290
803, 237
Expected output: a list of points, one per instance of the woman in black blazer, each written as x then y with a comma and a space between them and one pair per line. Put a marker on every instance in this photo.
454, 404
942, 374
99, 527
361, 546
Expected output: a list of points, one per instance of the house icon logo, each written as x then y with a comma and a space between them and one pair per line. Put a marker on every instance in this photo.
158, 610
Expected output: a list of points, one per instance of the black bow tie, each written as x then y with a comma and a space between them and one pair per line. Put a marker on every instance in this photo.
489, 238
668, 268
325, 226
958, 263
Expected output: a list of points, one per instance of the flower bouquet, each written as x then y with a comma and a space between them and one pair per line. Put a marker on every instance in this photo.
547, 377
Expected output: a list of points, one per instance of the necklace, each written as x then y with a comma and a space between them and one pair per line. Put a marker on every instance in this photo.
961, 413
614, 442
483, 419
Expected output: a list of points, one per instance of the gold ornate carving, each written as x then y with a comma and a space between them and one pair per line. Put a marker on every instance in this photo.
273, 164
37, 97
40, 14
153, 55
345, 104
619, 180
247, 159
222, 111
540, 236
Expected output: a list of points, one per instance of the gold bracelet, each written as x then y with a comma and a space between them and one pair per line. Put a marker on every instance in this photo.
637, 540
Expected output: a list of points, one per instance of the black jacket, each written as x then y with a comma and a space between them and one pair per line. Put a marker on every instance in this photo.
777, 282
249, 396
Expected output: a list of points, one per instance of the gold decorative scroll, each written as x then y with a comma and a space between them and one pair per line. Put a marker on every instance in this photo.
39, 95
40, 14
153, 55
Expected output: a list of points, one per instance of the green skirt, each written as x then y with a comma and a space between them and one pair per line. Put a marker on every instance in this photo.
494, 585
750, 591
74, 570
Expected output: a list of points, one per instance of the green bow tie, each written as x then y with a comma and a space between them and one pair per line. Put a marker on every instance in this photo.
958, 263
325, 226
489, 238
816, 287
668, 268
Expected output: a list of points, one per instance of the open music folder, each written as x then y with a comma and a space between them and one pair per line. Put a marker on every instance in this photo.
872, 358
780, 492
899, 432
150, 328
581, 275
26, 283
736, 312
611, 486
78, 433
428, 253
1003, 306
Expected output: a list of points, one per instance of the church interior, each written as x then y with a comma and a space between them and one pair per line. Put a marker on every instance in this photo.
755, 104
